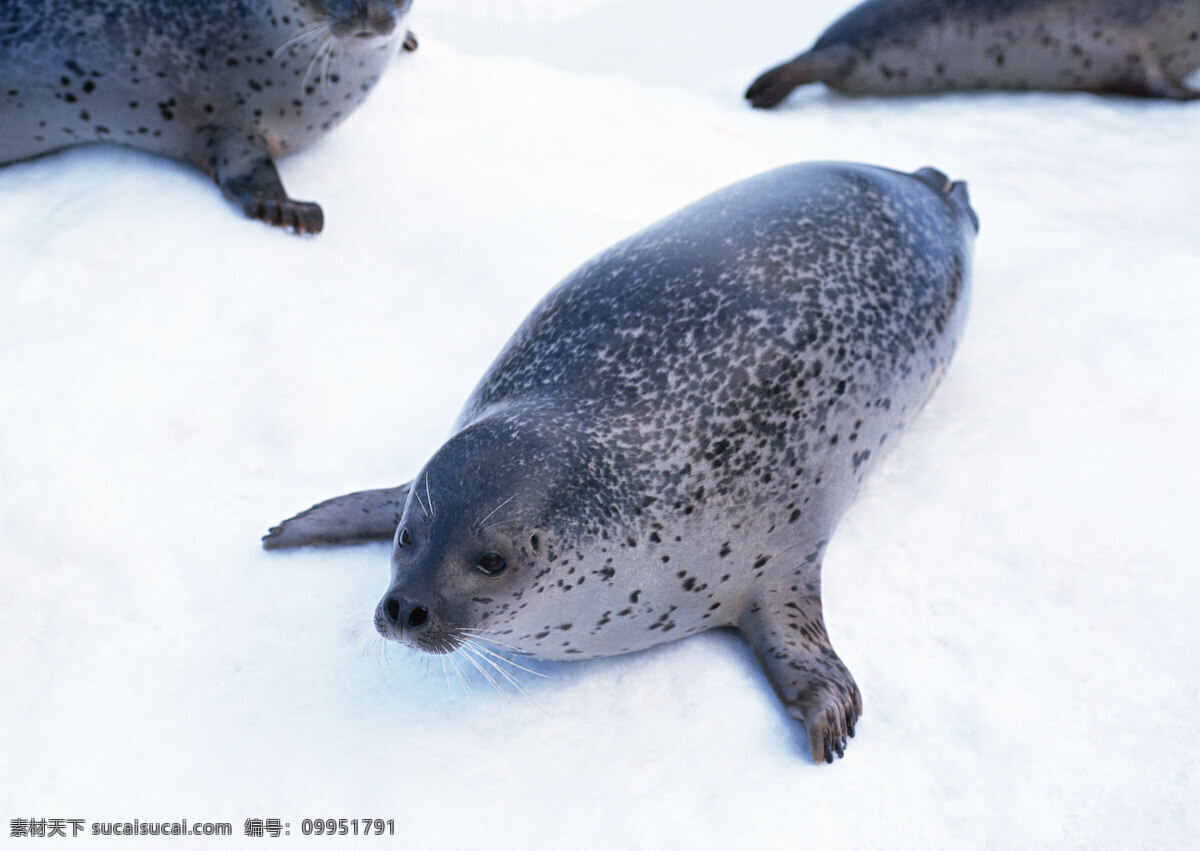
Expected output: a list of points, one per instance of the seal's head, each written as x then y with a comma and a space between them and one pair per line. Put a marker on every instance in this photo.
480, 534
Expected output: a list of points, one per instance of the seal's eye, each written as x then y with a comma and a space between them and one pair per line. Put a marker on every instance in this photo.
491, 563
405, 538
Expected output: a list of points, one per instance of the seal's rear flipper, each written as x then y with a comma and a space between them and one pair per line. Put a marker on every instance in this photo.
248, 178
1151, 80
351, 519
956, 189
828, 65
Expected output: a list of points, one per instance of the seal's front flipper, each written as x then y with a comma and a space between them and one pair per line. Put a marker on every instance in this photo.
828, 66
249, 178
410, 41
787, 634
351, 519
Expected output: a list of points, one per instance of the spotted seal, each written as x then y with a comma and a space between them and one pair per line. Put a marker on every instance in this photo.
1147, 48
668, 441
227, 85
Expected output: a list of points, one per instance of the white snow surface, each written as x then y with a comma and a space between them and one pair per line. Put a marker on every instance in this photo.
1017, 590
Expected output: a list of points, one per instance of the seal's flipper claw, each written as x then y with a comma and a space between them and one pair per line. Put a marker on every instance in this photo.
791, 644
410, 41
250, 179
298, 216
828, 721
819, 66
351, 519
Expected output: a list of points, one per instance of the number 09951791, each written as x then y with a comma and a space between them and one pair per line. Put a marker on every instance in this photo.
348, 827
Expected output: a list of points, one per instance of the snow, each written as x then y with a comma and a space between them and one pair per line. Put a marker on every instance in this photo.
1015, 591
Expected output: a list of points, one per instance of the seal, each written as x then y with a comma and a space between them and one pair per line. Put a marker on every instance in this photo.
1146, 49
669, 440
227, 85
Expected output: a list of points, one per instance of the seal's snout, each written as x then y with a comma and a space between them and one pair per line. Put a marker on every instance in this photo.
397, 615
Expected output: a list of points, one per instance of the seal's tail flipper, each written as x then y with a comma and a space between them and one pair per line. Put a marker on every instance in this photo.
1151, 80
955, 189
351, 519
826, 65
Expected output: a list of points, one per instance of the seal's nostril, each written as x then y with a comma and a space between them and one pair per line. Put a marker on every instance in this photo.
392, 607
417, 616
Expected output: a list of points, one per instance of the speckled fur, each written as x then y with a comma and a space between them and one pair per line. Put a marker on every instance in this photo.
226, 85
668, 441
1146, 48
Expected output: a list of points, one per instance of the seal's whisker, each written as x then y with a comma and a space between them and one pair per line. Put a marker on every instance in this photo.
316, 62
374, 649
340, 70
428, 495
478, 634
479, 523
498, 523
475, 650
305, 81
508, 661
445, 670
371, 645
300, 43
330, 44
449, 657
471, 658
305, 33
417, 494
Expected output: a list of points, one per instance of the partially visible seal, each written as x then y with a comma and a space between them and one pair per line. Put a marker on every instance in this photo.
228, 85
1145, 48
669, 440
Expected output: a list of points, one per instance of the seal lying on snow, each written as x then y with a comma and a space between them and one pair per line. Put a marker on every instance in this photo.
669, 440
1144, 48
228, 85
